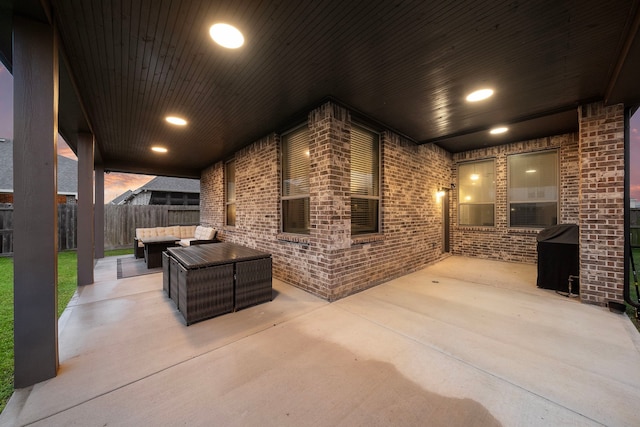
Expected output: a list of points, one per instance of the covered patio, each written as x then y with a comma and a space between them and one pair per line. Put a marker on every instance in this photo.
462, 342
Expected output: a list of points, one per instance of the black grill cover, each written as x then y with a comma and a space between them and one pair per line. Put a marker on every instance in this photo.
558, 252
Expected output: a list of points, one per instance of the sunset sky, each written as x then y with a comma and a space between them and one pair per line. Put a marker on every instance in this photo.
114, 183
118, 183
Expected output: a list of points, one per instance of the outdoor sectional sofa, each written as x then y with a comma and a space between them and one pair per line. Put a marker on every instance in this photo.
188, 235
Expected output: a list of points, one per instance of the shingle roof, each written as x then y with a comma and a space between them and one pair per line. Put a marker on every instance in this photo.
165, 183
121, 198
67, 170
161, 183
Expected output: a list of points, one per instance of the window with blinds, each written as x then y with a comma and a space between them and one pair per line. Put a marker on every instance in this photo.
365, 181
295, 181
477, 193
230, 192
533, 189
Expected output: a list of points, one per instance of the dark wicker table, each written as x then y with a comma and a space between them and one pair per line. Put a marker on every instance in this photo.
153, 248
213, 279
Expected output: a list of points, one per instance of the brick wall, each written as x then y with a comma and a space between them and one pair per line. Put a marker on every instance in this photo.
514, 244
328, 262
602, 203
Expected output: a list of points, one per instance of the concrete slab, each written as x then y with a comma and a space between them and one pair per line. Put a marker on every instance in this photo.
436, 347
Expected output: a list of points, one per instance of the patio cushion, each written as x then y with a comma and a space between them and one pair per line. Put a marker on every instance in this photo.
204, 233
186, 242
172, 231
187, 231
143, 233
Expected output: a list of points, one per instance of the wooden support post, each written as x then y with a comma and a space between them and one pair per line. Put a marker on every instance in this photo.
85, 209
98, 213
35, 102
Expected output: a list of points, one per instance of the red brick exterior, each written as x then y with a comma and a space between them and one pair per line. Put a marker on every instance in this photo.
328, 262
331, 264
601, 203
502, 242
60, 199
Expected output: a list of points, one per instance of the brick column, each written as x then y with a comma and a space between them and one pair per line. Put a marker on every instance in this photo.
329, 187
601, 209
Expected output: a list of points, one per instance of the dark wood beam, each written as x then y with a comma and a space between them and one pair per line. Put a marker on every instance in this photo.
85, 209
35, 68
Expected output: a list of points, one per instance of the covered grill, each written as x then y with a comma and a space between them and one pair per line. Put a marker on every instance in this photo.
558, 258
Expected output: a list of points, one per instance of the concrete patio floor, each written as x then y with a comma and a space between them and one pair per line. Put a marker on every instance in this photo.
464, 342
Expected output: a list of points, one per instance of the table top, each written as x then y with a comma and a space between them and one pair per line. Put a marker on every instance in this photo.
160, 239
215, 254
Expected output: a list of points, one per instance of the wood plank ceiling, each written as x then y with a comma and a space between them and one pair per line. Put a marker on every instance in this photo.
405, 64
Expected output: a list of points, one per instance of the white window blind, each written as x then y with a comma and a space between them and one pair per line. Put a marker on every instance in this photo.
476, 194
365, 181
295, 181
533, 189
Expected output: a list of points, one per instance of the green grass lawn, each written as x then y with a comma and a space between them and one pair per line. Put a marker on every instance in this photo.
67, 283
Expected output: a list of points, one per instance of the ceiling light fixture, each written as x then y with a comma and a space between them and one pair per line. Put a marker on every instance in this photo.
479, 95
474, 177
226, 36
530, 171
178, 121
159, 149
498, 130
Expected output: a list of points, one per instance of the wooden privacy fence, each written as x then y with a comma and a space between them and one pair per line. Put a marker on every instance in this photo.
67, 220
6, 229
120, 223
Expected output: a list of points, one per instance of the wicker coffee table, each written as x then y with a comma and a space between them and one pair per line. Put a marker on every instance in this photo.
213, 279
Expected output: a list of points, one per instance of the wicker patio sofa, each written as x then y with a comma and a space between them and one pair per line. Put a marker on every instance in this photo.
188, 234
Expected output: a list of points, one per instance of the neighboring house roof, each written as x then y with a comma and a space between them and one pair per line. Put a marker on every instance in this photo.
169, 184
121, 198
161, 184
67, 175
67, 171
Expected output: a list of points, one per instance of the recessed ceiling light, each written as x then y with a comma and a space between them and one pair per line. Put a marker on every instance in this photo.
498, 130
226, 35
531, 171
474, 177
179, 121
159, 149
479, 95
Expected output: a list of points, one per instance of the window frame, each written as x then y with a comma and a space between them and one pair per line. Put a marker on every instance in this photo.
508, 189
284, 198
227, 201
494, 202
378, 198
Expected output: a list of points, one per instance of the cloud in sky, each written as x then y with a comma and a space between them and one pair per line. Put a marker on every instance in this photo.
117, 183
114, 183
